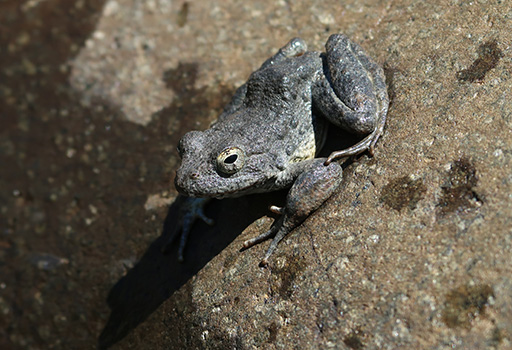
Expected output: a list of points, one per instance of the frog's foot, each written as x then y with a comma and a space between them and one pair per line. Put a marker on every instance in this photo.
368, 143
278, 231
313, 186
190, 210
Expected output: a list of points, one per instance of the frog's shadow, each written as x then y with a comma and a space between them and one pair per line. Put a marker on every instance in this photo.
157, 275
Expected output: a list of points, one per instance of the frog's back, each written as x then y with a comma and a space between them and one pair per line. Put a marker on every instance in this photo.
284, 85
276, 114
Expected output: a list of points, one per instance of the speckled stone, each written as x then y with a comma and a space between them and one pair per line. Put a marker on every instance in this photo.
413, 250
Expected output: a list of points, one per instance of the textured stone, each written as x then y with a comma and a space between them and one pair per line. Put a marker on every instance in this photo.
95, 96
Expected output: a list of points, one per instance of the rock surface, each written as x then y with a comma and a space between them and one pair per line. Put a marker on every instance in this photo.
413, 251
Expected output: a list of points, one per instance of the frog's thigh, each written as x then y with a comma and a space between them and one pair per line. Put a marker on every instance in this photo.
354, 88
308, 192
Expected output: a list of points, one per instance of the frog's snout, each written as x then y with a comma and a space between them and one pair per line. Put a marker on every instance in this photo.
184, 181
189, 149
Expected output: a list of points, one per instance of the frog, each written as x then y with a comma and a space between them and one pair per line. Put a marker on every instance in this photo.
269, 135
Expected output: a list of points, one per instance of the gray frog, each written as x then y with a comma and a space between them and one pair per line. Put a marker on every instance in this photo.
267, 137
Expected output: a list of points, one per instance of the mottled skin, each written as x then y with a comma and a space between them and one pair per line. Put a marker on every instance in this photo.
268, 136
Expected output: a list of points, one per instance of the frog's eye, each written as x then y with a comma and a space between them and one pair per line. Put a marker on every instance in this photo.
230, 160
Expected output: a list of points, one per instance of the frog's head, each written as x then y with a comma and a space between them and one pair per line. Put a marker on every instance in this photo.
219, 164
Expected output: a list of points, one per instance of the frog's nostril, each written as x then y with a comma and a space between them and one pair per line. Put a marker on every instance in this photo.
194, 176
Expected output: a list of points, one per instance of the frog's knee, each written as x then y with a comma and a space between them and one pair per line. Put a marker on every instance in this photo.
363, 124
336, 41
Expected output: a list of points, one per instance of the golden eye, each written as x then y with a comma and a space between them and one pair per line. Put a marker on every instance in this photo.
230, 160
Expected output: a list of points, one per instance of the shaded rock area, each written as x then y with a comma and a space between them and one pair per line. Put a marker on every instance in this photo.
413, 250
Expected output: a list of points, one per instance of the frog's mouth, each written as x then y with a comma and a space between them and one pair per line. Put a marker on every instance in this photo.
194, 185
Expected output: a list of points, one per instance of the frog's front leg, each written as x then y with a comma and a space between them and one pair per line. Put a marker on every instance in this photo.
311, 188
353, 94
190, 209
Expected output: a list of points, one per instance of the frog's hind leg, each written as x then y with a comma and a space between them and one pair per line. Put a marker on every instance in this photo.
353, 94
312, 187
